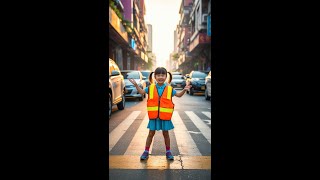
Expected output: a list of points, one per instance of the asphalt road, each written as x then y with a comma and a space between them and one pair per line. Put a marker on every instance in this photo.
190, 141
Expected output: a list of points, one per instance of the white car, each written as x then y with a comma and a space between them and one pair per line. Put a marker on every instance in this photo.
116, 87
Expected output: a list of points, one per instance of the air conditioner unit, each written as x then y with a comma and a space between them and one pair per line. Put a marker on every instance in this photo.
204, 18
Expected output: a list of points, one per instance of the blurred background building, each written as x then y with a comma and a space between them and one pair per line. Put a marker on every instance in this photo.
193, 37
151, 55
130, 38
128, 35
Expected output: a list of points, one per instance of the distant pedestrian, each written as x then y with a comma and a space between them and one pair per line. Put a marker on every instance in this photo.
160, 107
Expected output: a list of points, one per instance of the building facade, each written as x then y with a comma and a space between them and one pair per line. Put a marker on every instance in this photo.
183, 36
200, 41
127, 34
193, 38
149, 48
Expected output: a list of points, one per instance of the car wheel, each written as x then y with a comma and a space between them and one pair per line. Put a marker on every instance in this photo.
191, 91
121, 104
110, 106
206, 95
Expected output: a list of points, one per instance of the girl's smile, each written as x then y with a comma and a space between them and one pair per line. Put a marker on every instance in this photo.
160, 78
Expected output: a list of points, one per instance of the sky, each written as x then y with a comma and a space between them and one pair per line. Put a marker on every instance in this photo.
164, 17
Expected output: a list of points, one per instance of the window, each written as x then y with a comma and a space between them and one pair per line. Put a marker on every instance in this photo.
133, 75
145, 73
177, 77
198, 75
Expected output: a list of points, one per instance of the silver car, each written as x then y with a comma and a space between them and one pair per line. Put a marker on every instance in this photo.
131, 91
178, 81
146, 74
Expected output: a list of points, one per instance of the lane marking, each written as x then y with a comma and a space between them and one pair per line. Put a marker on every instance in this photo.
138, 143
118, 132
208, 121
185, 143
205, 130
159, 162
208, 114
192, 132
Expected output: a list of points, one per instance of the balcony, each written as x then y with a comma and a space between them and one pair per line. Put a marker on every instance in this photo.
115, 22
199, 40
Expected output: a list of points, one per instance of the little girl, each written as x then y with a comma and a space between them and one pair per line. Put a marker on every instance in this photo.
160, 107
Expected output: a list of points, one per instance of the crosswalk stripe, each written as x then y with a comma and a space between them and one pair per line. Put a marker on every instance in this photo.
137, 145
185, 143
159, 162
208, 114
205, 130
118, 132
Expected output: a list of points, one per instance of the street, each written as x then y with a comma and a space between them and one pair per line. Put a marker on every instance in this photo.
190, 141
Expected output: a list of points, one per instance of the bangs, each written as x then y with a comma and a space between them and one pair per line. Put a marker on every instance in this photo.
160, 70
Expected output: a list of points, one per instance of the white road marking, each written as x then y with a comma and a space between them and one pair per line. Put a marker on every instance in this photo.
118, 132
192, 132
205, 130
138, 143
208, 114
185, 143
208, 121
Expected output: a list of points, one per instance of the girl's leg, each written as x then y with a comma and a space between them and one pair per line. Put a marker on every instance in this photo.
149, 138
167, 142
145, 154
166, 139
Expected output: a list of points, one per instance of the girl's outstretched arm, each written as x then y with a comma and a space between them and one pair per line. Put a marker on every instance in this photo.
141, 91
181, 93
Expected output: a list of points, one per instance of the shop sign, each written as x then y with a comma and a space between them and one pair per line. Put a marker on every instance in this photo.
209, 25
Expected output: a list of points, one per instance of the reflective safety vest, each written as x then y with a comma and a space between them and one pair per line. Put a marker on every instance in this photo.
160, 107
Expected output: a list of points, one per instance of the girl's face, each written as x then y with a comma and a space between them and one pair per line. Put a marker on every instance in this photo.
160, 78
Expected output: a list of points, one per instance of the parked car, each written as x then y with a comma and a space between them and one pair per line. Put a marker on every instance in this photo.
146, 74
116, 87
197, 80
178, 81
176, 73
207, 92
172, 73
131, 91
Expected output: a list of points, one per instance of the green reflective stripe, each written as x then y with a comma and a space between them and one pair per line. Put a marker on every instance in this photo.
169, 92
153, 108
151, 90
168, 110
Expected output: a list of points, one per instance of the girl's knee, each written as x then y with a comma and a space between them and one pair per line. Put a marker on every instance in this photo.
151, 133
165, 133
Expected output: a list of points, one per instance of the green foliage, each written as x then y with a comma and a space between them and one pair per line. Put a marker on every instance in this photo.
116, 10
175, 56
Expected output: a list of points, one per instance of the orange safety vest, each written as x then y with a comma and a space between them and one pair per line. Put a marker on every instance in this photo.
160, 107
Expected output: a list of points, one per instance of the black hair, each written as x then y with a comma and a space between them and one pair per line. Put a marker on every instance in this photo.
160, 70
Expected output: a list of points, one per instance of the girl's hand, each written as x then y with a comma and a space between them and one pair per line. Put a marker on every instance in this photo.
188, 86
132, 81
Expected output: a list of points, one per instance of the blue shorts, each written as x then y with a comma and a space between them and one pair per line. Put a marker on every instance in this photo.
157, 124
